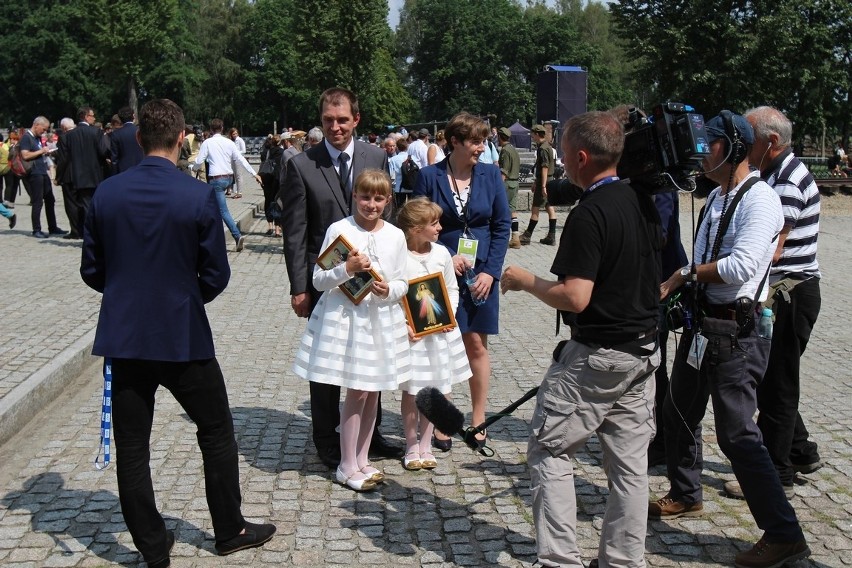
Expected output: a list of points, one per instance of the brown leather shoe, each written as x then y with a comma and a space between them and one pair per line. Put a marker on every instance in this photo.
525, 237
550, 239
772, 554
668, 508
514, 242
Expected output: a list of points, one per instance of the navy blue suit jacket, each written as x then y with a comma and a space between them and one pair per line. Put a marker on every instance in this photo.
125, 151
489, 217
153, 244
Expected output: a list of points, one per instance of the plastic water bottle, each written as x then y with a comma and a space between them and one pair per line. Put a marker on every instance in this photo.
764, 324
470, 280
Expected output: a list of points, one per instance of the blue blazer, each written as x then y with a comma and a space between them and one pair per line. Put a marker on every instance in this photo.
489, 217
153, 244
125, 151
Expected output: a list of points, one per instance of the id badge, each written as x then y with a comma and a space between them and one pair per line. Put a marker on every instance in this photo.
467, 248
696, 351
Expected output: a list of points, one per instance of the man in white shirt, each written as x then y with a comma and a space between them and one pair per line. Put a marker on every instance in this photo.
220, 153
734, 245
419, 149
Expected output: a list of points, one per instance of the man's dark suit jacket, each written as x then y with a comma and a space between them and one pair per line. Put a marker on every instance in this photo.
88, 148
125, 151
153, 245
312, 200
63, 161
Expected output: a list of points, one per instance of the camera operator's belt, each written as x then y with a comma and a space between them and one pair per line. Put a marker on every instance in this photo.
726, 311
640, 346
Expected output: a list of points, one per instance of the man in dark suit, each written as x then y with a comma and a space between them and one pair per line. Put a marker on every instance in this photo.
160, 233
314, 195
86, 148
125, 151
63, 178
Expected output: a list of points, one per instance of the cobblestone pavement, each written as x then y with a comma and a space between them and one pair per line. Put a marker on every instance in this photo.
57, 510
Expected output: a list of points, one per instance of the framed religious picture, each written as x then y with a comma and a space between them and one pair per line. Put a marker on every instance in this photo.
357, 287
427, 305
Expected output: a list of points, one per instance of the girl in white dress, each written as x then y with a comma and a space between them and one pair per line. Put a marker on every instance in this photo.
361, 347
438, 360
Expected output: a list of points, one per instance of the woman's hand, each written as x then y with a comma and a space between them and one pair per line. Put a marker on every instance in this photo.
460, 263
482, 288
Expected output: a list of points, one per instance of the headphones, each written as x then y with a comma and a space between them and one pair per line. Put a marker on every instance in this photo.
735, 149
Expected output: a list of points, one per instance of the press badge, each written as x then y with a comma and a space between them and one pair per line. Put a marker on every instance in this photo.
467, 249
696, 351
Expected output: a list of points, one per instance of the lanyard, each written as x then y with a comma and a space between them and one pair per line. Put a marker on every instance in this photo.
106, 416
600, 182
466, 203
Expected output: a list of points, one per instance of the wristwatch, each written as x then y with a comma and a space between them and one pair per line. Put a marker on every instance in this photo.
687, 275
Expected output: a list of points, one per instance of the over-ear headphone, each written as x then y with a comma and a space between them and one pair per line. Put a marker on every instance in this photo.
735, 148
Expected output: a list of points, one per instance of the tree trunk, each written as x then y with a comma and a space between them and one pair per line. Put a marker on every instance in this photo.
132, 101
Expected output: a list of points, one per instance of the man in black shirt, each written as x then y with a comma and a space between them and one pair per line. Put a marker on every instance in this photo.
601, 381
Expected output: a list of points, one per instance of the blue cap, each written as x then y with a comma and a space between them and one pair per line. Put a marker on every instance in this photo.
715, 128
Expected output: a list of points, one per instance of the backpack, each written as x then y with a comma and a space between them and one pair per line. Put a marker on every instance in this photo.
410, 171
19, 166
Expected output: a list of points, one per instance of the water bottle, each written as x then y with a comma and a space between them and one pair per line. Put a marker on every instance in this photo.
470, 280
764, 324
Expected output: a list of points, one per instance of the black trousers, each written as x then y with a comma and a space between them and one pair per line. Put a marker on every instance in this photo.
72, 209
199, 387
84, 201
325, 400
41, 193
12, 185
784, 432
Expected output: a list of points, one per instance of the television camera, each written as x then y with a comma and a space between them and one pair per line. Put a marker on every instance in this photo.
662, 151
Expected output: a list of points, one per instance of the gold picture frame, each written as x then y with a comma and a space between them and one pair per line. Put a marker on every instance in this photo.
427, 305
357, 287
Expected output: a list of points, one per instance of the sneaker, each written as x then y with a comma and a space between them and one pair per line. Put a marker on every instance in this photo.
550, 239
241, 243
806, 468
733, 490
525, 237
668, 508
514, 242
772, 554
13, 220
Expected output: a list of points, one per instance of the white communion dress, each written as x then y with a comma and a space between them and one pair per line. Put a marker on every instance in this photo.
362, 346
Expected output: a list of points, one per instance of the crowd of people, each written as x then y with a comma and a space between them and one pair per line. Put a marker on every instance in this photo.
358, 226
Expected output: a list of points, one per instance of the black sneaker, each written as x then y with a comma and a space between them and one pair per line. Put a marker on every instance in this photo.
252, 536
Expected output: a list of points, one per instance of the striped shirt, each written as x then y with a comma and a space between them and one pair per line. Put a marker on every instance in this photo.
747, 245
799, 195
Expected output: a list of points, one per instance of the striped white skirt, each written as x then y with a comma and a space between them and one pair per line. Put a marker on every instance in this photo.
438, 360
362, 347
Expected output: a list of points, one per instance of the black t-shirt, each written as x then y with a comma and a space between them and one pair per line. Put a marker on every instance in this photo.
613, 237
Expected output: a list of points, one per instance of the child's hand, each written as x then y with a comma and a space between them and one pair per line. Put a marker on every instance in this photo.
380, 289
357, 262
411, 337
449, 329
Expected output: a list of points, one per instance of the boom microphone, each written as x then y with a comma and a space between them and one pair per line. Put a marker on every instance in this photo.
449, 419
440, 411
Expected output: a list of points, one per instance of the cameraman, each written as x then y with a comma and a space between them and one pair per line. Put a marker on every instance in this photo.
730, 268
601, 381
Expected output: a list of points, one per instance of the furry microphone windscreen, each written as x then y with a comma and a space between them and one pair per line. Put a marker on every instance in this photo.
439, 411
